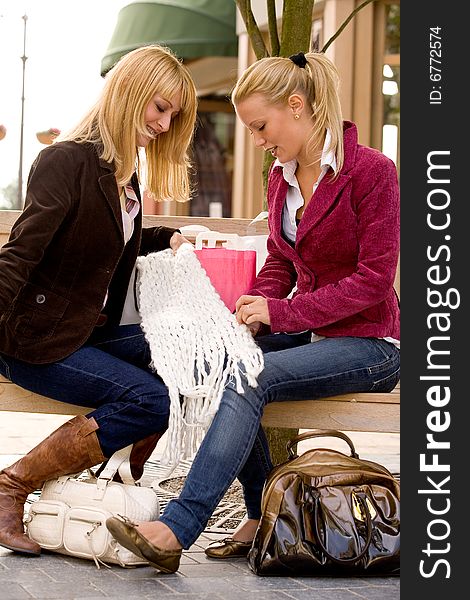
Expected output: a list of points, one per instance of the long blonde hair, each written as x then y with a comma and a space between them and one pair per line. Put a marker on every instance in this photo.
117, 118
277, 78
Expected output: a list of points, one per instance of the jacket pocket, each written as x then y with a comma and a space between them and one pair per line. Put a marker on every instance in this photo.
37, 312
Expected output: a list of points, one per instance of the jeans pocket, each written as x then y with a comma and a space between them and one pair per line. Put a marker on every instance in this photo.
386, 384
387, 355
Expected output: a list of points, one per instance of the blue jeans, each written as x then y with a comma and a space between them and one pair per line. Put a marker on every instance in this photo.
300, 371
111, 375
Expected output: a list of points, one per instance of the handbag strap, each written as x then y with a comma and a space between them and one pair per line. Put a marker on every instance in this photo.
320, 433
361, 496
119, 461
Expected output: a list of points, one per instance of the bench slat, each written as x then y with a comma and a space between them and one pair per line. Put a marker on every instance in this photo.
353, 412
331, 413
16, 399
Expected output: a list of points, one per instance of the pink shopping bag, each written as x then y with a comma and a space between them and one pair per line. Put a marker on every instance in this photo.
232, 270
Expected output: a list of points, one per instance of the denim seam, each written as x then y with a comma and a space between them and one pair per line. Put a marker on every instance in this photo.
119, 339
95, 376
114, 383
380, 366
262, 458
384, 379
7, 369
318, 378
278, 385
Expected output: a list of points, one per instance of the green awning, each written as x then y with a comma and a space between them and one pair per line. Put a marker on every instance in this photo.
191, 28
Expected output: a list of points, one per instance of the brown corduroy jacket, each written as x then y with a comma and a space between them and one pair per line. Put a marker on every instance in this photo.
65, 252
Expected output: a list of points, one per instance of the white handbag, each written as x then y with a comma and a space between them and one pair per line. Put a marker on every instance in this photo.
70, 515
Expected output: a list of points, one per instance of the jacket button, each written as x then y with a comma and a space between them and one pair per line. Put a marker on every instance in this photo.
40, 298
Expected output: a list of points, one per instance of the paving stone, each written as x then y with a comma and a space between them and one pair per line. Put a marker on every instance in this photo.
136, 574
198, 556
203, 542
187, 559
380, 581
254, 582
63, 590
337, 582
257, 595
242, 565
202, 596
198, 585
383, 592
209, 571
390, 592
332, 594
26, 575
19, 560
132, 587
13, 591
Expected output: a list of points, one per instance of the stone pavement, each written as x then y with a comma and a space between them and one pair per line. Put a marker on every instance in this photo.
56, 577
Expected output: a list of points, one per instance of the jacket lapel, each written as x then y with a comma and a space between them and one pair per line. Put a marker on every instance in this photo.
108, 186
278, 192
323, 200
321, 204
328, 190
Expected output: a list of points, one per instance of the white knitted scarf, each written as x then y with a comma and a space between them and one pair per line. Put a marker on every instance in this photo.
196, 344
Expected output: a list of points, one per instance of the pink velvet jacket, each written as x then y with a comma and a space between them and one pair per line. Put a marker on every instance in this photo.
346, 252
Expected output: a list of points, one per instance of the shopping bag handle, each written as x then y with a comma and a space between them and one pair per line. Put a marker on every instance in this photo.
319, 433
212, 237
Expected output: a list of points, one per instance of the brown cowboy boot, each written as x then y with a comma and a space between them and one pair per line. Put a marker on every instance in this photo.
140, 453
69, 449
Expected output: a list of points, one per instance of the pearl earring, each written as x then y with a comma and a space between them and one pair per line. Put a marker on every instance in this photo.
297, 116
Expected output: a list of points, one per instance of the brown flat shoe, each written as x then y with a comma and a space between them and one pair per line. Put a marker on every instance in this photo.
128, 535
228, 548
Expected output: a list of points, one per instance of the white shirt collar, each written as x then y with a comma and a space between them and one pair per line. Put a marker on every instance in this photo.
328, 159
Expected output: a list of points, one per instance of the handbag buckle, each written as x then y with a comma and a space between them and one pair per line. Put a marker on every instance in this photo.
358, 506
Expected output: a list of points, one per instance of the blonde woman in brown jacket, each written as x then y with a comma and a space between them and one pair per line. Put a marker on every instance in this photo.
65, 271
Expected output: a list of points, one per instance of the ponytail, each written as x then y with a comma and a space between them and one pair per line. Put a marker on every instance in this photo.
325, 104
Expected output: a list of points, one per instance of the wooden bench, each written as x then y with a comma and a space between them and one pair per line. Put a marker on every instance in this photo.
374, 412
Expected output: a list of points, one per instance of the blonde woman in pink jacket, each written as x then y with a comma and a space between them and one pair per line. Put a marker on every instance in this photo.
323, 307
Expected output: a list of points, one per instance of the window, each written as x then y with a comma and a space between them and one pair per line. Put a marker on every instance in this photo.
391, 83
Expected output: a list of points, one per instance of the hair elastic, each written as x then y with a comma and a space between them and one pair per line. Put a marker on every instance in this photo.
299, 59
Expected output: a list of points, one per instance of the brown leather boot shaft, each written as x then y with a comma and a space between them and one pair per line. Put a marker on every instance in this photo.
141, 452
71, 448
12, 501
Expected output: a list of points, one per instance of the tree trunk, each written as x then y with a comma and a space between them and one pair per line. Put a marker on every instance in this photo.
296, 26
277, 440
295, 37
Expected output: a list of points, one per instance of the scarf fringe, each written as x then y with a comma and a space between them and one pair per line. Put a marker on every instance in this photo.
197, 346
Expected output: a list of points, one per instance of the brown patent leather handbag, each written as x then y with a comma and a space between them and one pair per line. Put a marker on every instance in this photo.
327, 513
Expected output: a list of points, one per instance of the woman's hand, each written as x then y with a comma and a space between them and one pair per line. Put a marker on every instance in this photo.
254, 327
250, 309
176, 240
